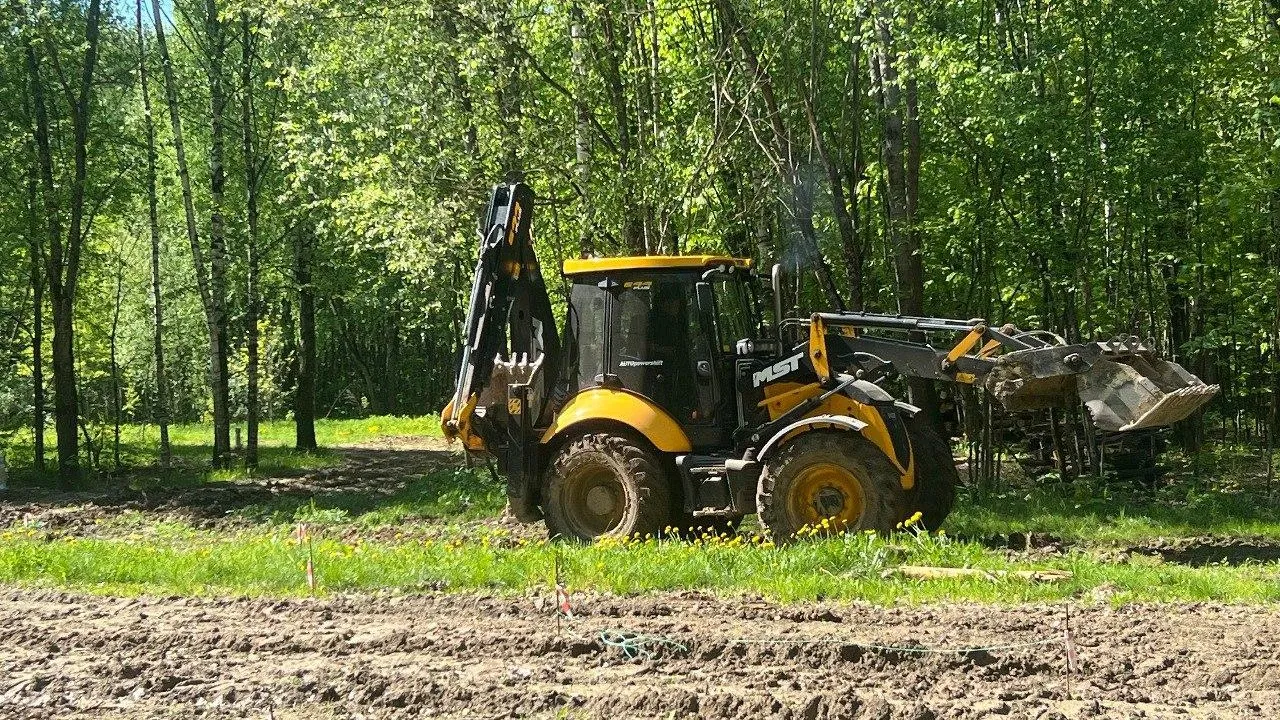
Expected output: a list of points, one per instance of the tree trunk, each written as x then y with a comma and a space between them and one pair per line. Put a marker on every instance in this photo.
252, 409
509, 104
68, 442
611, 65
216, 313
1273, 170
37, 317
852, 249
153, 215
62, 262
892, 152
581, 129
209, 282
855, 247
113, 345
900, 150
304, 403
65, 402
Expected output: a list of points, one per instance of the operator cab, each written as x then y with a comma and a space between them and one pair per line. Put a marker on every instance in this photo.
674, 330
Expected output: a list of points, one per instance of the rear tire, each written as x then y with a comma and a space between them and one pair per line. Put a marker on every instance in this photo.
605, 485
934, 493
832, 475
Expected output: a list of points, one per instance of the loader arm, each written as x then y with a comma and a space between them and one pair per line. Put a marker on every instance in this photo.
511, 351
1124, 383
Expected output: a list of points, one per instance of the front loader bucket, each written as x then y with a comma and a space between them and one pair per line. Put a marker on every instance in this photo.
1124, 386
1135, 392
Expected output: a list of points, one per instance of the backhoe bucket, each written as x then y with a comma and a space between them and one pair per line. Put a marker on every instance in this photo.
1123, 384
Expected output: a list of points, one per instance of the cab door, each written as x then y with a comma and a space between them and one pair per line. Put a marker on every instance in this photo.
661, 346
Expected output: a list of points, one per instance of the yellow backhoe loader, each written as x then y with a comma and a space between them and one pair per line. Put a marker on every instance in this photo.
673, 400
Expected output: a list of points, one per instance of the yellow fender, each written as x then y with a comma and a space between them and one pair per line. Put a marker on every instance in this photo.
843, 422
839, 411
632, 410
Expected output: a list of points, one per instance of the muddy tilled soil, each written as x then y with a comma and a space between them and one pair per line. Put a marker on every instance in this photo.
678, 656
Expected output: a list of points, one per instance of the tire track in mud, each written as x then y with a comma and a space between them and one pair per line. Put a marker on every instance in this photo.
73, 655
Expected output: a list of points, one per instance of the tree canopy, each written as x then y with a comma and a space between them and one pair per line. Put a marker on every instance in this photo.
1093, 168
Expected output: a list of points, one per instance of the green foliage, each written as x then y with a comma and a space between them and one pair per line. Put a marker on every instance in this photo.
1092, 168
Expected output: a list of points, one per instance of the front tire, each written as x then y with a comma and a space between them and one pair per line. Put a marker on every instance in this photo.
934, 493
832, 476
605, 485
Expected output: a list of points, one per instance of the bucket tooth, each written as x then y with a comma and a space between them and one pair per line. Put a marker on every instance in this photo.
517, 370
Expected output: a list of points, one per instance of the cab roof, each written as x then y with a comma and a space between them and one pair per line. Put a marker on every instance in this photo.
650, 262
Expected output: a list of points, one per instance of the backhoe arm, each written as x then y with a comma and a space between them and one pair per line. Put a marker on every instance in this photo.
509, 316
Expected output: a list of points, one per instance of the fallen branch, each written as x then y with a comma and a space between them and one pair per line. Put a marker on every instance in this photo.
923, 572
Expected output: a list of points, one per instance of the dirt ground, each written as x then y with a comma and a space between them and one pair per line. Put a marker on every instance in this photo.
378, 468
71, 655
468, 656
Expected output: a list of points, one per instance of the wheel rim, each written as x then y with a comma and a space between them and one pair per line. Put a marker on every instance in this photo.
826, 491
594, 501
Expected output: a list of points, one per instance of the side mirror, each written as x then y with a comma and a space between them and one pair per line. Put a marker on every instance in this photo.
706, 301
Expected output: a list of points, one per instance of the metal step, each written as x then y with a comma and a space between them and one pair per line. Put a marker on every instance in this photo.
702, 464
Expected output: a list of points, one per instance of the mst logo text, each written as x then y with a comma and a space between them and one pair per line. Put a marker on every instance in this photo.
776, 370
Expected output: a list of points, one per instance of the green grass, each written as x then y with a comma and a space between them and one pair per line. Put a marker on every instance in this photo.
849, 567
455, 494
1087, 515
280, 433
192, 449
457, 551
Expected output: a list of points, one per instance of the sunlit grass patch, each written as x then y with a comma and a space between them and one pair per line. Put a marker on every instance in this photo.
192, 450
281, 433
843, 567
1088, 514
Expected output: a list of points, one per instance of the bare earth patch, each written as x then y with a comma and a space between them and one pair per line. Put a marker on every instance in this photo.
72, 655
375, 468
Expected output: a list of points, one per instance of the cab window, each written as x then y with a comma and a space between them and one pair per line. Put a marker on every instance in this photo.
586, 335
656, 340
737, 319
